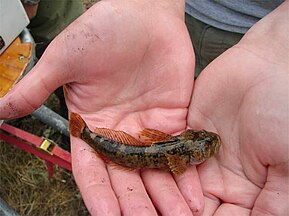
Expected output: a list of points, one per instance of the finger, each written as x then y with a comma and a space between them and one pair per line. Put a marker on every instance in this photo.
231, 209
211, 205
273, 198
191, 189
165, 193
131, 193
32, 90
92, 179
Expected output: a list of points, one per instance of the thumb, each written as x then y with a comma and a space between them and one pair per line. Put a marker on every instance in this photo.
34, 88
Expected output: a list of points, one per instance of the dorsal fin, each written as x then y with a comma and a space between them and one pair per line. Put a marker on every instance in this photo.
154, 136
119, 136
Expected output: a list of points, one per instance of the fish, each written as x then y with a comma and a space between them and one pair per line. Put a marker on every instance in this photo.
157, 149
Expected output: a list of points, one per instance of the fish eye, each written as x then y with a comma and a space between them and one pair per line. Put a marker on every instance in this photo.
204, 132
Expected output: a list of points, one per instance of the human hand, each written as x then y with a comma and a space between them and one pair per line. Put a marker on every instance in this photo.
31, 10
127, 65
243, 95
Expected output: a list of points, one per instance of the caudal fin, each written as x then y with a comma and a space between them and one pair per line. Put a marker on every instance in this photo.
76, 124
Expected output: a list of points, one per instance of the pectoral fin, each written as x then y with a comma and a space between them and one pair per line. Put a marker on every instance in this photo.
177, 164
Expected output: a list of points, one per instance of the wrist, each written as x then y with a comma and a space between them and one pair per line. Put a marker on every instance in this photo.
30, 2
31, 7
175, 7
269, 36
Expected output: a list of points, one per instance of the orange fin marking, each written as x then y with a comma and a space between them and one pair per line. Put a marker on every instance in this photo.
119, 136
177, 164
153, 135
76, 124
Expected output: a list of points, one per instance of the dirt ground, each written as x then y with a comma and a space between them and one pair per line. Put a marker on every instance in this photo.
23, 177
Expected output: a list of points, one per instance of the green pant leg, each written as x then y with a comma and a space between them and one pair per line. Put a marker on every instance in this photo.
209, 42
52, 17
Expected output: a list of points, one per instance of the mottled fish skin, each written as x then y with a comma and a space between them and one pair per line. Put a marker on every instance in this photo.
160, 150
190, 146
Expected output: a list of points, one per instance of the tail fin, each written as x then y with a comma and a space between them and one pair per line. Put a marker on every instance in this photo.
76, 124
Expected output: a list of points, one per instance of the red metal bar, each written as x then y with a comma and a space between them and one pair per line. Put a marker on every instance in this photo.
31, 138
49, 166
31, 143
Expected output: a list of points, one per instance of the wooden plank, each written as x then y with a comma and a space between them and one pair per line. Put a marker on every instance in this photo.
13, 63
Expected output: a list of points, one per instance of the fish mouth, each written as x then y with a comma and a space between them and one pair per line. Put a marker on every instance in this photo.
218, 143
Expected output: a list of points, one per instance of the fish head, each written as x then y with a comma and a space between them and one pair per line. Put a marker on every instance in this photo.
201, 145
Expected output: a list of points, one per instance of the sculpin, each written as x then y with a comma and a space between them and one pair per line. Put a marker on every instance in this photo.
159, 150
